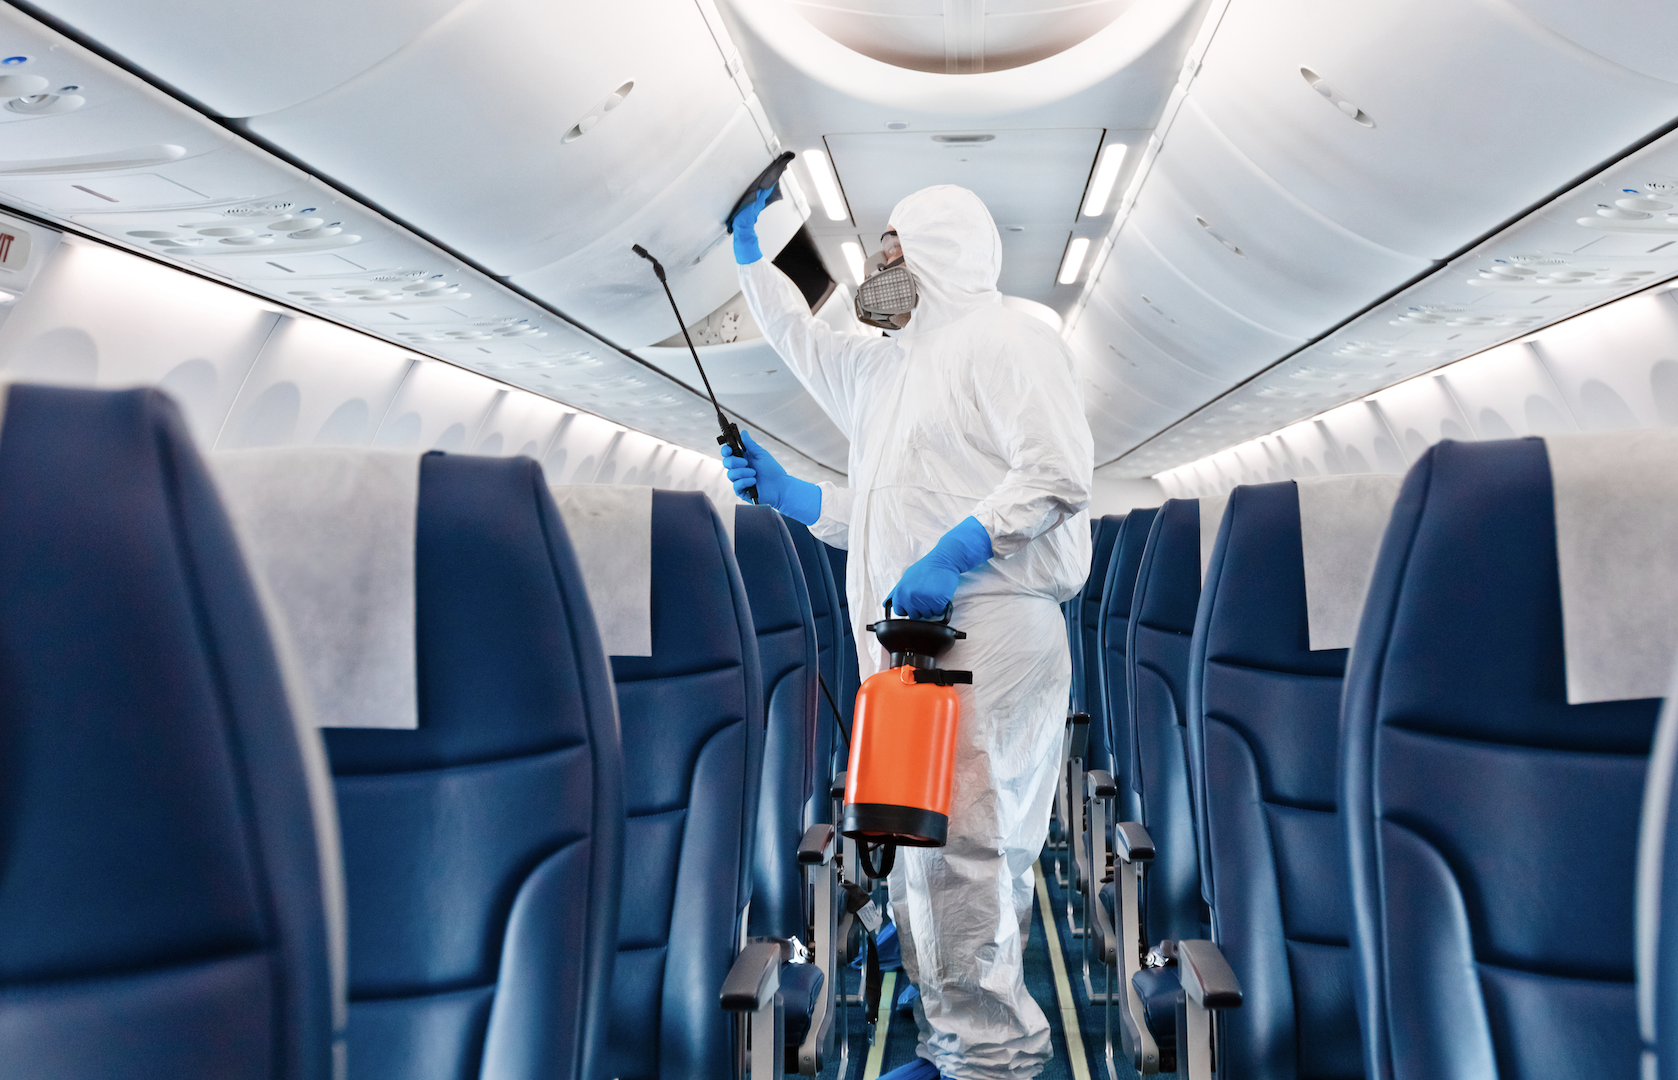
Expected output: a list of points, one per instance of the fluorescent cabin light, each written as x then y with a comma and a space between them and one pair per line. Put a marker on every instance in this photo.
853, 258
1074, 260
1106, 175
827, 188
6, 297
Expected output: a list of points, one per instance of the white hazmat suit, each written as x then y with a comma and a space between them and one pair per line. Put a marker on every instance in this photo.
972, 409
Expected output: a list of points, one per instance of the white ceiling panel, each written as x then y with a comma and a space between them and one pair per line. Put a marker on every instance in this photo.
1506, 393
150, 326
1024, 177
1257, 250
315, 383
439, 407
254, 56
520, 424
1470, 112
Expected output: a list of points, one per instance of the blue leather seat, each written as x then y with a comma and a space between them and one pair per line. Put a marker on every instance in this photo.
162, 907
483, 850
1157, 680
1117, 596
1264, 724
850, 678
1492, 826
829, 617
1657, 907
786, 649
693, 729
1087, 605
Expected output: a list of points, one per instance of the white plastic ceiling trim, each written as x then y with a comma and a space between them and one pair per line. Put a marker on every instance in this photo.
229, 210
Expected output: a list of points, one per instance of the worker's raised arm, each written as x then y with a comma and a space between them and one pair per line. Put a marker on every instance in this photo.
829, 362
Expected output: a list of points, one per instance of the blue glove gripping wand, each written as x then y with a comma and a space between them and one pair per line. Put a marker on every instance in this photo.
730, 436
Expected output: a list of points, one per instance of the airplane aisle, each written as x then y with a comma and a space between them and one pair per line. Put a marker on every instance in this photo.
1050, 980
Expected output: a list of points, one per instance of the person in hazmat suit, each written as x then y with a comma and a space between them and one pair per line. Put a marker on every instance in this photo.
970, 469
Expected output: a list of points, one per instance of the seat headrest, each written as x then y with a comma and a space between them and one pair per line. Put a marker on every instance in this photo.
1168, 583
1107, 529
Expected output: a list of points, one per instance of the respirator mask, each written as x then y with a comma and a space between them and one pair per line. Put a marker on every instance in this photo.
887, 293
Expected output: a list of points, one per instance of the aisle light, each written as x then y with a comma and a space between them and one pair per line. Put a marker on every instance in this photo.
1106, 175
853, 258
1074, 260
826, 186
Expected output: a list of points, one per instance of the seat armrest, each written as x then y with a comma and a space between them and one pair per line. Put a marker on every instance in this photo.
1134, 843
1100, 784
836, 790
1207, 977
818, 845
754, 979
1080, 733
1208, 985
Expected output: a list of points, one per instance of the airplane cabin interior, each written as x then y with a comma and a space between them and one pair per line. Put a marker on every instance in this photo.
403, 675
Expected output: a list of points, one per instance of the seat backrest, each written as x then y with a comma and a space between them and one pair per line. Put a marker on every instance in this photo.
1492, 826
850, 677
1088, 642
829, 618
169, 902
693, 730
483, 849
1657, 906
1117, 593
786, 650
1157, 667
1264, 722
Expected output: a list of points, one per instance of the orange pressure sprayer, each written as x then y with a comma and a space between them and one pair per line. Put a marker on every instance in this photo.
903, 741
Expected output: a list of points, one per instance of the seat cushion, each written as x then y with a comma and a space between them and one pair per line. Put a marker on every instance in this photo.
801, 989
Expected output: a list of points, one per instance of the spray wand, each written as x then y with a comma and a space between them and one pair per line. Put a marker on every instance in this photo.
730, 436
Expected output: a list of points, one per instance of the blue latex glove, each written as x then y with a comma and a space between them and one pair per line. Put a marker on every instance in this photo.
746, 250
929, 585
797, 499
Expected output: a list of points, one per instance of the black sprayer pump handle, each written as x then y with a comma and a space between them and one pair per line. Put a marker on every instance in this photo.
944, 618
730, 436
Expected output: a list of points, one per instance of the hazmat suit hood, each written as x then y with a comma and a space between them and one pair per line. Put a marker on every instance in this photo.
951, 245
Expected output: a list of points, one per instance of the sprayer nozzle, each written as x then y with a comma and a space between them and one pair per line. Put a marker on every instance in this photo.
658, 268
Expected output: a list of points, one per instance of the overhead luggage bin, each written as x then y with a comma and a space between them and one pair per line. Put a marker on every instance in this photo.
1252, 246
1424, 171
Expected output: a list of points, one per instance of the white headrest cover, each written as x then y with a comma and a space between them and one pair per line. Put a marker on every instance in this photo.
1341, 522
611, 530
328, 535
1616, 499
